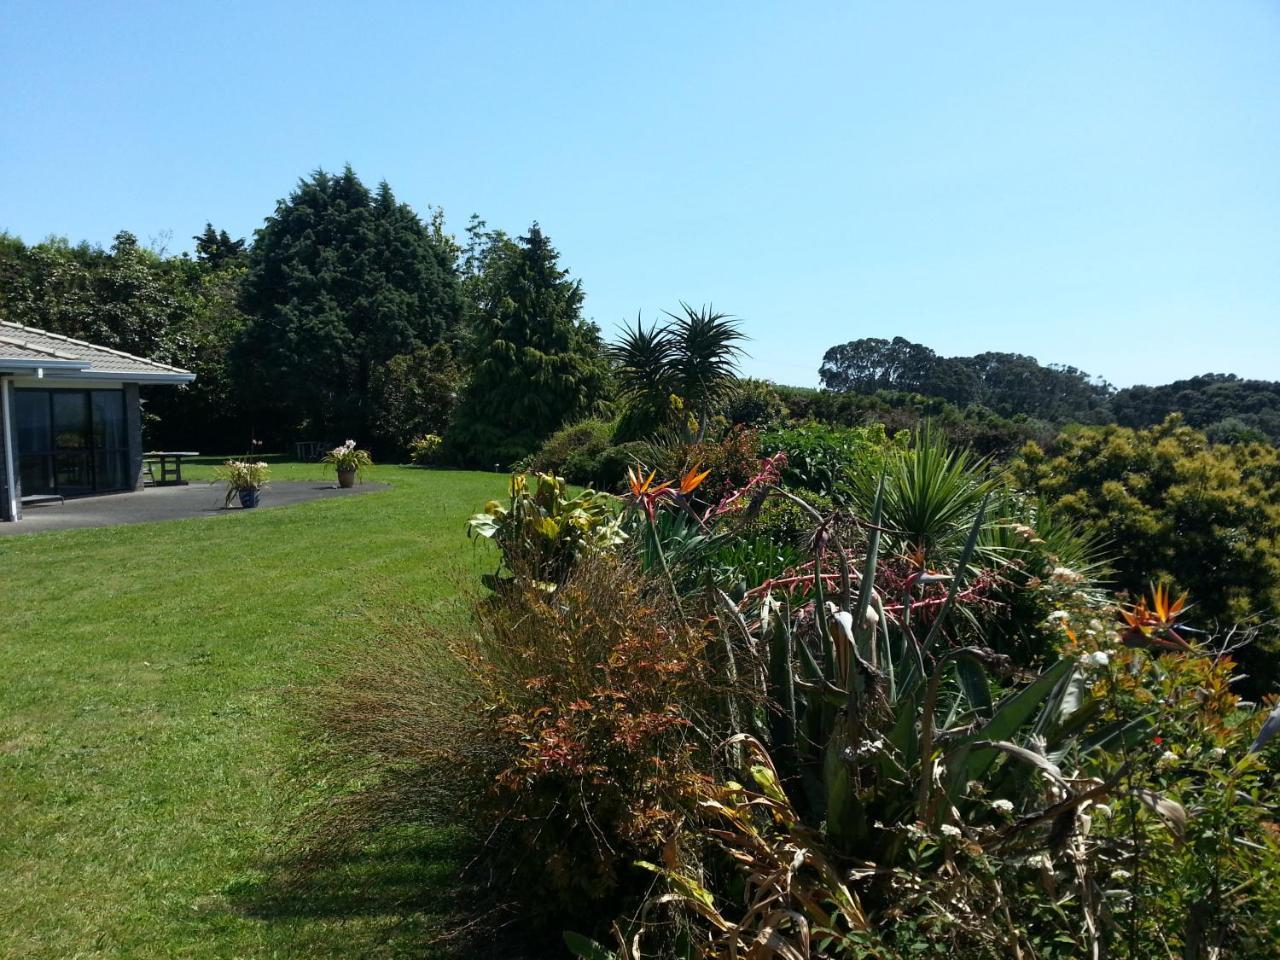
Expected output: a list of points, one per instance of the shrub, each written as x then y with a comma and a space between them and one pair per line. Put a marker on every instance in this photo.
1170, 506
753, 403
595, 699
424, 449
732, 460
565, 731
414, 394
823, 459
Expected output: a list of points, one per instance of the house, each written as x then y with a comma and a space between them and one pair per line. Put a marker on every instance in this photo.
70, 417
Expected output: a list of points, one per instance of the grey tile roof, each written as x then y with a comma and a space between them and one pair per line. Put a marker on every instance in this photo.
29, 344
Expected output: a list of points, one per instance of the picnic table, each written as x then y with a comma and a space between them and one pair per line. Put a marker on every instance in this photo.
170, 462
310, 450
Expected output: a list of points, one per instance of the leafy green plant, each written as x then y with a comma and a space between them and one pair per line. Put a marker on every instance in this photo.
541, 531
823, 459
932, 493
1172, 507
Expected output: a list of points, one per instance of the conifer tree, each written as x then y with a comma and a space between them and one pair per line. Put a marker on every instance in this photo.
537, 363
340, 281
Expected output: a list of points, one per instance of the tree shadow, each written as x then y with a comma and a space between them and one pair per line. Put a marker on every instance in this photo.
408, 887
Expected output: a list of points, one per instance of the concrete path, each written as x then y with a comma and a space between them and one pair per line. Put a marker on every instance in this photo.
168, 503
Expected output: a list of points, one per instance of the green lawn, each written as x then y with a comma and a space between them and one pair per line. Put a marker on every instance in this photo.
150, 765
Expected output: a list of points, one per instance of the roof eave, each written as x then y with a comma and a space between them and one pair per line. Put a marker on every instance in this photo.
23, 364
159, 376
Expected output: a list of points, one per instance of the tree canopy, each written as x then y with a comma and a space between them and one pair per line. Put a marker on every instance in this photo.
341, 279
1007, 383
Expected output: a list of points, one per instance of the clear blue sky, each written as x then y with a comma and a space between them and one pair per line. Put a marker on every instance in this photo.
1090, 183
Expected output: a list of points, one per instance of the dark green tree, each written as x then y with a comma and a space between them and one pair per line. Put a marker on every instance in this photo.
1220, 403
1010, 384
172, 309
536, 363
340, 280
216, 249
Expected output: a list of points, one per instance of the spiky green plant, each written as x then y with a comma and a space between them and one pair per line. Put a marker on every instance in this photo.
932, 493
874, 722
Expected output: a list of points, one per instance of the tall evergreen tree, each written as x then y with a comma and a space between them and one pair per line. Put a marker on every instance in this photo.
216, 249
537, 363
340, 281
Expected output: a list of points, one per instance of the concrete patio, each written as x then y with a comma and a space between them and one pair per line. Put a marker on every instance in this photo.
168, 503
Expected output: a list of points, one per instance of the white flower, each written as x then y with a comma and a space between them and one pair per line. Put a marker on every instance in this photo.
1168, 759
1002, 806
1058, 615
1217, 753
1066, 575
1096, 660
949, 830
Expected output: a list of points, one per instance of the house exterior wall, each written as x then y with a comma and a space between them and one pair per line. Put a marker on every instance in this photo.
133, 429
10, 499
133, 423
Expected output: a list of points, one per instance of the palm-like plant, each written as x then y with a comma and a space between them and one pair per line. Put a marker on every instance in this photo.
693, 357
931, 495
644, 366
706, 352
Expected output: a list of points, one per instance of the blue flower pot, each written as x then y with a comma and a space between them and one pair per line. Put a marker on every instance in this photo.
249, 498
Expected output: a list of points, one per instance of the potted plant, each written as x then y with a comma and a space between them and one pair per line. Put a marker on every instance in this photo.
349, 461
244, 479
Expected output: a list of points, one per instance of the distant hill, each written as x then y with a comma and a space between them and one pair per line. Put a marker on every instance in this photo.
1226, 407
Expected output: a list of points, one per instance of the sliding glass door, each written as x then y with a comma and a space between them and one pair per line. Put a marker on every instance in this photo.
71, 442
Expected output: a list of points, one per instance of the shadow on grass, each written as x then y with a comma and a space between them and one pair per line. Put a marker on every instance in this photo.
409, 890
397, 876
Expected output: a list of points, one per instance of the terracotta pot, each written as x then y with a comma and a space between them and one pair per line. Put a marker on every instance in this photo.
346, 478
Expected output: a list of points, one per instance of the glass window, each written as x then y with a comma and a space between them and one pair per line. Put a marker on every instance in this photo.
34, 473
109, 470
70, 419
31, 410
72, 441
72, 473
108, 420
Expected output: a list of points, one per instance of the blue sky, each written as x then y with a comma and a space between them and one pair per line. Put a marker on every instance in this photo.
1090, 183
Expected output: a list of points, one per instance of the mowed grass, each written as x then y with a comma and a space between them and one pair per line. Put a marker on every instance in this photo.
152, 767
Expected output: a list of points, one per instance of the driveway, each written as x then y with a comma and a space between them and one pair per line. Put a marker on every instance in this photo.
168, 503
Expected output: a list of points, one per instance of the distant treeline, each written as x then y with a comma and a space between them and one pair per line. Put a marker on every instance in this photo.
347, 316
901, 374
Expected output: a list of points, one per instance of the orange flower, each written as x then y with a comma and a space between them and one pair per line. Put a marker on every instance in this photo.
1155, 623
644, 493
644, 488
692, 479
